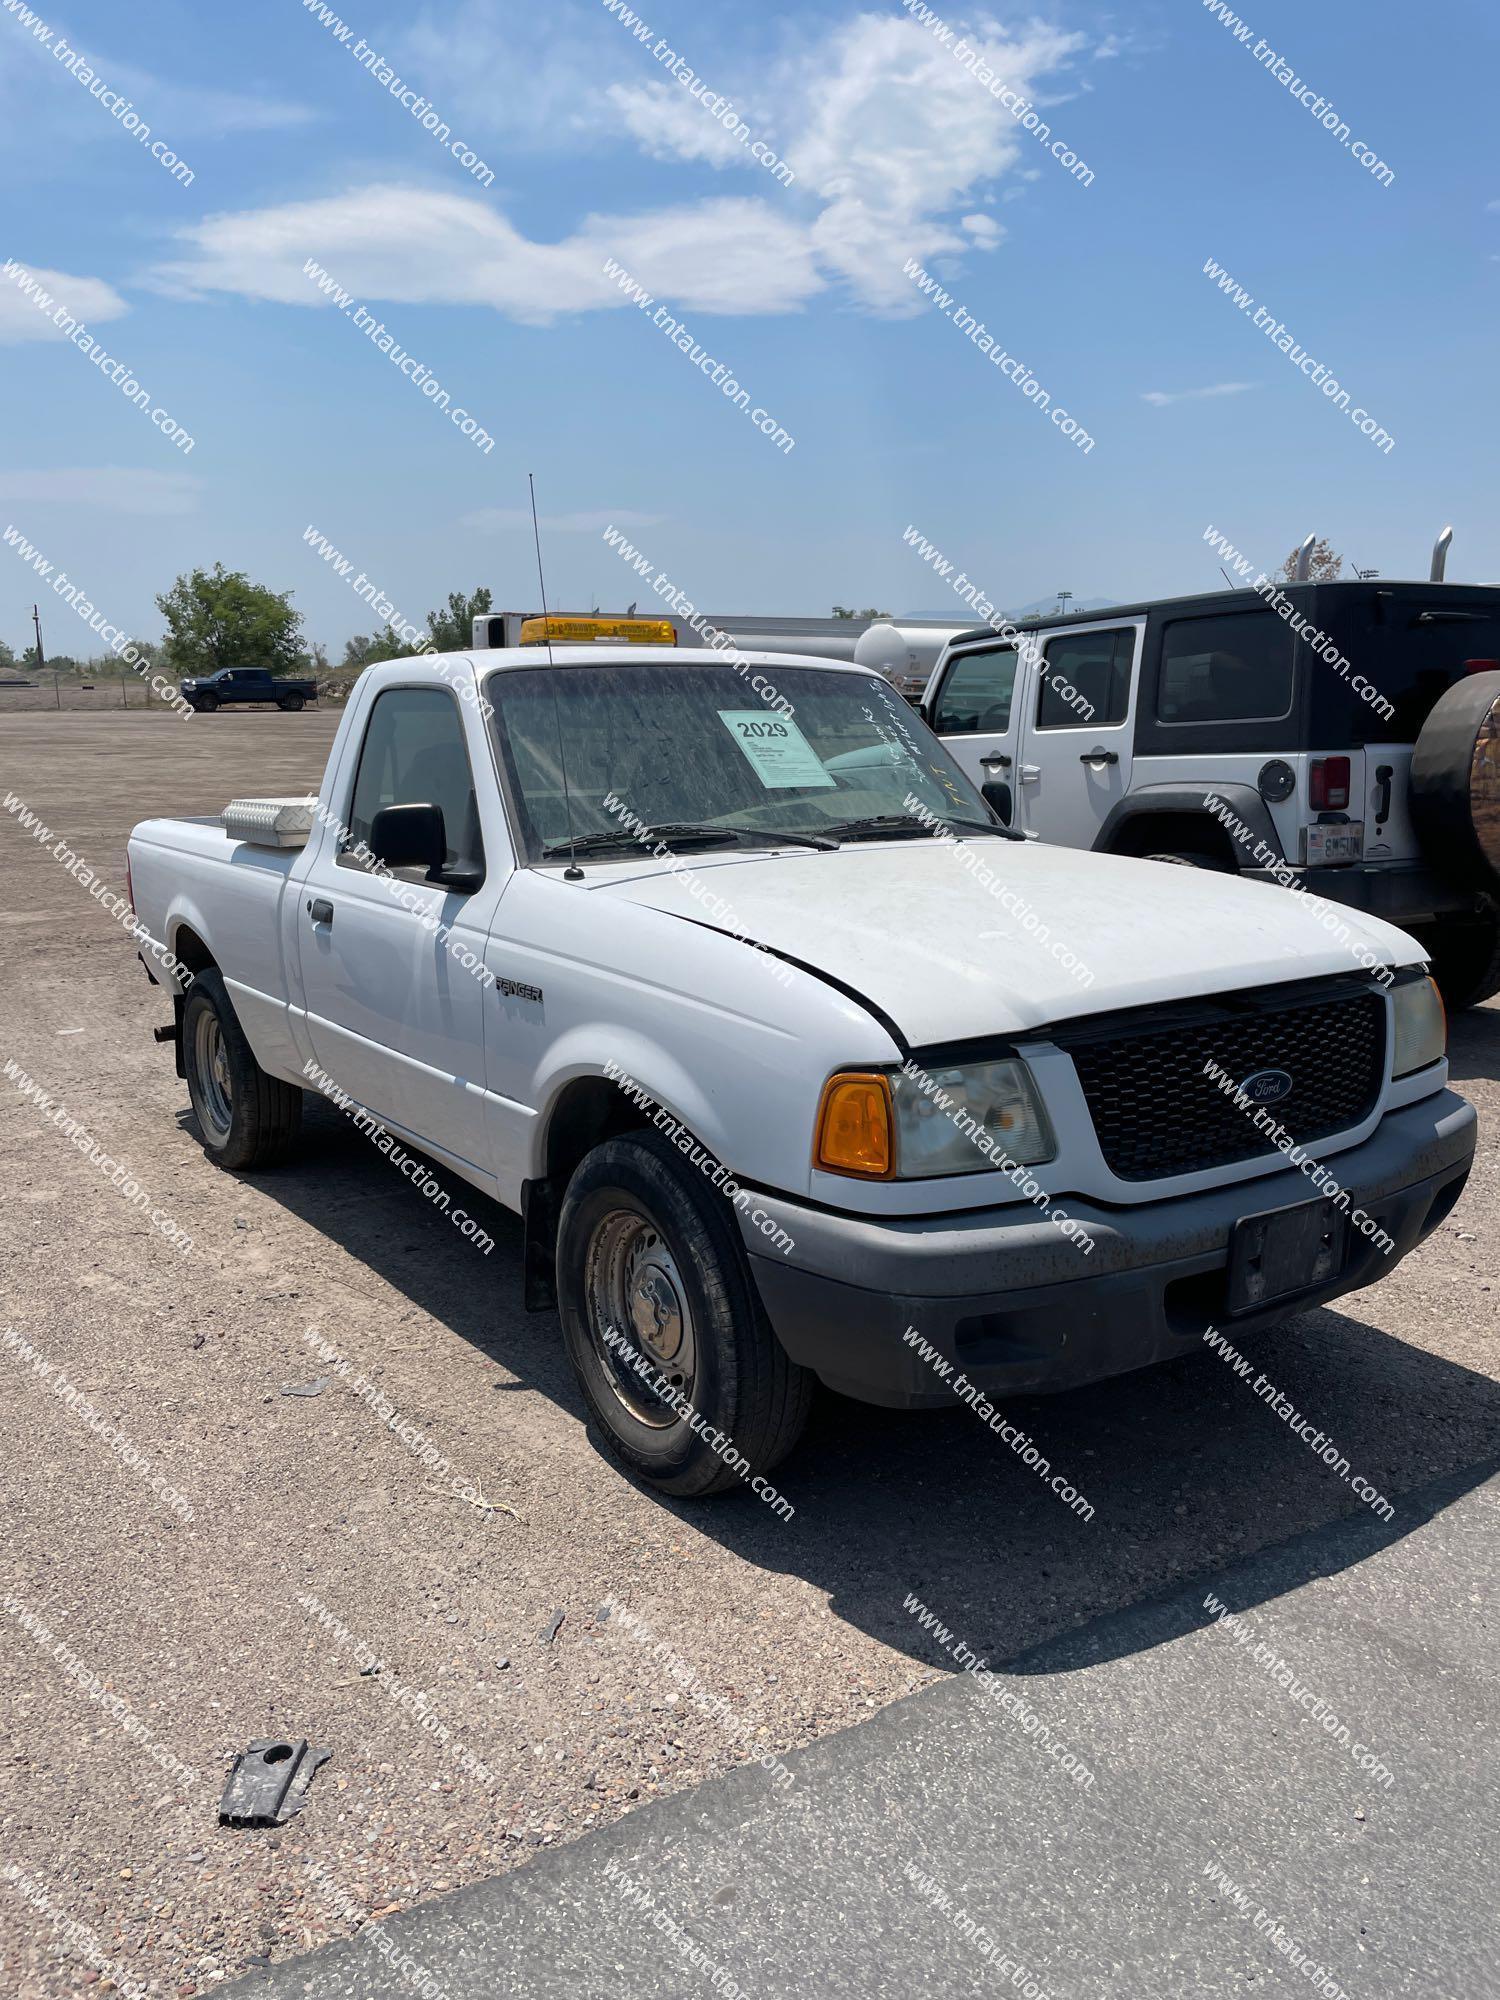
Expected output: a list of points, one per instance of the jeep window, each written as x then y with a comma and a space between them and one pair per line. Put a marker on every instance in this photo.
1408, 647
977, 693
414, 754
1236, 667
646, 745
1086, 679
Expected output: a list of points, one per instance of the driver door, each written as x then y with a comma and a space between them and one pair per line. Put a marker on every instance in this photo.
976, 710
394, 1016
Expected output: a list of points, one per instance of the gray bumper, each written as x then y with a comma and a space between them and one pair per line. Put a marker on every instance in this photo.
1003, 1296
1401, 893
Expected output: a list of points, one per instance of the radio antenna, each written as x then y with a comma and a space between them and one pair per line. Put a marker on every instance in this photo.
572, 873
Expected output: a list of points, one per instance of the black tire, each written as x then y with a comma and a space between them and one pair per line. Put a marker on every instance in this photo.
1190, 860
245, 1118
291, 702
637, 1218
205, 703
1465, 960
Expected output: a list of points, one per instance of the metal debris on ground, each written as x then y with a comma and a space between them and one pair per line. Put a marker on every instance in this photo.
550, 1631
268, 1781
314, 1388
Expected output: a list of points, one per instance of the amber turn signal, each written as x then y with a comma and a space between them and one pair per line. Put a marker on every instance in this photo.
856, 1132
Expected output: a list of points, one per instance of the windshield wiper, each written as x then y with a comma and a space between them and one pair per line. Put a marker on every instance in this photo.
904, 826
673, 832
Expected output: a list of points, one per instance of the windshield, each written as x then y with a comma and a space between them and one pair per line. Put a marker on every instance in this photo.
674, 746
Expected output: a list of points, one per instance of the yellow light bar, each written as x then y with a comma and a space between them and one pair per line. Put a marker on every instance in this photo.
582, 631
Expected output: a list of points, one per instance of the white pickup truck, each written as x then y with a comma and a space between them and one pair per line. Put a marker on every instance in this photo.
596, 933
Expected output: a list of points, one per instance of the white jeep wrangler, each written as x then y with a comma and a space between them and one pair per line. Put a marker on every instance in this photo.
1342, 738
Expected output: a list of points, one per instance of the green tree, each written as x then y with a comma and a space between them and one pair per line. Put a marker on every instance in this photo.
452, 630
369, 649
219, 618
843, 611
1326, 564
7, 657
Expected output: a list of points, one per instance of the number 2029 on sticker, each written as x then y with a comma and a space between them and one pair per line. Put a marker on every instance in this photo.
779, 754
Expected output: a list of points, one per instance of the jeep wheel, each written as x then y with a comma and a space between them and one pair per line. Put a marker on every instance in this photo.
663, 1324
245, 1117
1465, 960
1192, 861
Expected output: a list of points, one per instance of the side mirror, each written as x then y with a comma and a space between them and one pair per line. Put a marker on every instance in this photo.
409, 837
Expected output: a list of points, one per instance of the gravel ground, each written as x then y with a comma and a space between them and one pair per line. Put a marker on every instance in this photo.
194, 1627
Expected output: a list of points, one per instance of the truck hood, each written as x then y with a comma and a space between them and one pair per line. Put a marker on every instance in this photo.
917, 930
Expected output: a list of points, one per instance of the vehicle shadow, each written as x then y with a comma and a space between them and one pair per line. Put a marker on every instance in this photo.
1474, 1046
1184, 1466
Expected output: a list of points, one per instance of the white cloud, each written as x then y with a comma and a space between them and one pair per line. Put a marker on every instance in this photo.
420, 246
1161, 397
119, 489
491, 520
668, 123
895, 144
86, 299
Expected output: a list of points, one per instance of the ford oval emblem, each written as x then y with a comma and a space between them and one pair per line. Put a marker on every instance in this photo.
1267, 1086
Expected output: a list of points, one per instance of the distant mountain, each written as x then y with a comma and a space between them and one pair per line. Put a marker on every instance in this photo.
955, 612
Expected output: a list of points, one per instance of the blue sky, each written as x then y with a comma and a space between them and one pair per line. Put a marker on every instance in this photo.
298, 152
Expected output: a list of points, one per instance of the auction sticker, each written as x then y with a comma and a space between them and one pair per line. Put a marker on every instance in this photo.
780, 755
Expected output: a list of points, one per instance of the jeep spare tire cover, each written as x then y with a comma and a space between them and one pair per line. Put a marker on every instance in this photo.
1455, 781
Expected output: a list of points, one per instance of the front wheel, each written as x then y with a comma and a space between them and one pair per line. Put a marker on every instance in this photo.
245, 1117
205, 703
673, 1349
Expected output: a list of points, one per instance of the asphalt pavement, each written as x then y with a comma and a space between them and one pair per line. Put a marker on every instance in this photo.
1300, 1801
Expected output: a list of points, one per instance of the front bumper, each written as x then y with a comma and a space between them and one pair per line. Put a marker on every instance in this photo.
998, 1292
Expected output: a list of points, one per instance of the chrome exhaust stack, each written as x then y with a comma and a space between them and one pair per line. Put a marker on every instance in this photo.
1304, 560
1440, 556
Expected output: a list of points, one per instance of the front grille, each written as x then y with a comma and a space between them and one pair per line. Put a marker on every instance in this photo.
1157, 1114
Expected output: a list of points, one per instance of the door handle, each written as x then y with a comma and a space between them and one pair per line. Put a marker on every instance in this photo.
996, 757
1100, 757
320, 909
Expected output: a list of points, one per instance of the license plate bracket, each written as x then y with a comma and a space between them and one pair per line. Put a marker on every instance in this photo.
1285, 1251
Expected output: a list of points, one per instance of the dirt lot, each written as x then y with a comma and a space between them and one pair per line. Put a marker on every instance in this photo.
195, 1625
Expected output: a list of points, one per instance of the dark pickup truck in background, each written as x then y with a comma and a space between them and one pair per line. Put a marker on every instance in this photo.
251, 684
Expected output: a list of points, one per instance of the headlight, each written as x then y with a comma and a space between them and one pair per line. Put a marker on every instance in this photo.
971, 1119
968, 1120
1421, 1026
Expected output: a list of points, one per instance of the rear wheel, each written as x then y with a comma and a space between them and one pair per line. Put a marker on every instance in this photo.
663, 1325
1465, 960
290, 701
245, 1117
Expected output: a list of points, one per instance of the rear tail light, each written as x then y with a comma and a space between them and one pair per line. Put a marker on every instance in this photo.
1328, 784
1482, 666
129, 886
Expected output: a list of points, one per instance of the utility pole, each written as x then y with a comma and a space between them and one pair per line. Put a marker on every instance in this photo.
1064, 598
36, 619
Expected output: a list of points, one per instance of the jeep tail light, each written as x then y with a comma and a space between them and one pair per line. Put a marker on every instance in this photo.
1328, 784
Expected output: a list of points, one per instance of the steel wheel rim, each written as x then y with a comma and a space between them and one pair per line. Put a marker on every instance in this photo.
634, 1285
215, 1092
